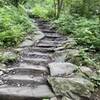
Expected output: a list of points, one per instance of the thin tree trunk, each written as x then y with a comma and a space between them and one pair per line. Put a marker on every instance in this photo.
60, 4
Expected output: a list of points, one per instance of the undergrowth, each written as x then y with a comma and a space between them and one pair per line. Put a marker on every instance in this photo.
14, 25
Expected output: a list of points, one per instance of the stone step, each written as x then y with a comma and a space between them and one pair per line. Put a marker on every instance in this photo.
28, 69
37, 55
46, 45
53, 35
52, 42
35, 61
24, 80
53, 39
39, 21
48, 31
43, 50
43, 27
25, 93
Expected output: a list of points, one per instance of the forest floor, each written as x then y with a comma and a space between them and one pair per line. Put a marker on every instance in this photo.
37, 74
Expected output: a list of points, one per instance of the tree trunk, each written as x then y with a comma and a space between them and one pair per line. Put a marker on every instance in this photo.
58, 7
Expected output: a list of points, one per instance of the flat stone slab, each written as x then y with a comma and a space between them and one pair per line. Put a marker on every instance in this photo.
24, 80
52, 35
35, 60
29, 69
42, 91
47, 45
26, 43
53, 42
37, 53
61, 68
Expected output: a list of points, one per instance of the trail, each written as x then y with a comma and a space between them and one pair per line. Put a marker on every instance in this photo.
28, 79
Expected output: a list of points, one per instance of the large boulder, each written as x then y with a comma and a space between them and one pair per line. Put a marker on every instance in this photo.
61, 68
68, 86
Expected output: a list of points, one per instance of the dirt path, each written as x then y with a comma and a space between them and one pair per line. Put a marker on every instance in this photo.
28, 80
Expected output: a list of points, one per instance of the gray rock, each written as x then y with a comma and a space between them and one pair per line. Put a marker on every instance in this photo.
1, 82
73, 56
66, 86
26, 43
1, 73
66, 98
54, 98
59, 48
41, 91
70, 43
59, 56
71, 96
8, 56
61, 68
86, 70
38, 35
3, 67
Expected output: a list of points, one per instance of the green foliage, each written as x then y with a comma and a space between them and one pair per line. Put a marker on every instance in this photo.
12, 2
65, 24
43, 9
14, 23
96, 80
86, 60
86, 31
6, 57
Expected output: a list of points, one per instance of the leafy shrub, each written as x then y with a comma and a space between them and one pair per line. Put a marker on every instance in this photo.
12, 2
14, 23
86, 31
40, 11
65, 24
43, 9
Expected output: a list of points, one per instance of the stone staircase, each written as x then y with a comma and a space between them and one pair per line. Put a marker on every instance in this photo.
28, 80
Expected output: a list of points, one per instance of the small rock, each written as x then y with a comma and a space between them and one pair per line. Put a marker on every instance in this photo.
38, 35
54, 98
1, 72
61, 68
66, 86
2, 66
8, 56
73, 56
66, 98
29, 37
86, 70
59, 48
26, 43
59, 56
70, 43
18, 50
1, 82
71, 97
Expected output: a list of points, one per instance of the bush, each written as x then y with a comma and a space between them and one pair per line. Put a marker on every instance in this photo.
44, 9
65, 24
14, 24
86, 31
